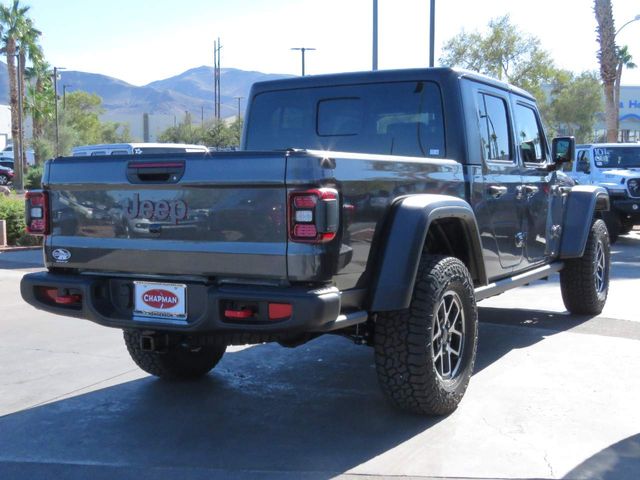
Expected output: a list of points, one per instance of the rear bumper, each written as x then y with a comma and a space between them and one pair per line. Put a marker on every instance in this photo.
108, 301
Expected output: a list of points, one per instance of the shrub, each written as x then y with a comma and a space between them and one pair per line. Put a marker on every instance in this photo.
33, 179
12, 210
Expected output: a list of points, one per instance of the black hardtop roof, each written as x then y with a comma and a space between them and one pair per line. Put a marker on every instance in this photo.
440, 74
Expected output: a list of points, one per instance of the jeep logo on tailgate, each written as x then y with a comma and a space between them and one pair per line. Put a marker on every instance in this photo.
174, 210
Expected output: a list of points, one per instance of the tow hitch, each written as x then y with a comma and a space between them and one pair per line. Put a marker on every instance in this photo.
152, 342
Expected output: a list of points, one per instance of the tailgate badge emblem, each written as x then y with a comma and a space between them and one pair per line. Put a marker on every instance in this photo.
61, 255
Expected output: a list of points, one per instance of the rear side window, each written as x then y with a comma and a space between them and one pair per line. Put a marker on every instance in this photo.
119, 152
400, 118
529, 135
494, 128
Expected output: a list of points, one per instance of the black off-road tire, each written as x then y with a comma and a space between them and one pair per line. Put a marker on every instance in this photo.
178, 362
614, 225
406, 341
584, 281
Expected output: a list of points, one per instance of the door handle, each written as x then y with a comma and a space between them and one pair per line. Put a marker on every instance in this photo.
526, 190
497, 191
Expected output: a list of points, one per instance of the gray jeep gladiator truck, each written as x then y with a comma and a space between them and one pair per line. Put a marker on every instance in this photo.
380, 206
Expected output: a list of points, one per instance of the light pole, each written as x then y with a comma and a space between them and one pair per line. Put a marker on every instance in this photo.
239, 99
55, 97
64, 95
620, 65
374, 62
302, 50
634, 19
432, 32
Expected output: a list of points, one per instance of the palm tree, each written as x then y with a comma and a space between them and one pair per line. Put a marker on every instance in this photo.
625, 60
39, 103
27, 47
12, 19
608, 57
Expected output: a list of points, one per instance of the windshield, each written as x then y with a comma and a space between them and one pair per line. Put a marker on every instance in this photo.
403, 118
617, 157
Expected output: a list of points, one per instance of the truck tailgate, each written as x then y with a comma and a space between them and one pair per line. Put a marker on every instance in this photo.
220, 215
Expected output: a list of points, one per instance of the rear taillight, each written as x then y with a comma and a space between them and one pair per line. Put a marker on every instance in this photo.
37, 212
313, 215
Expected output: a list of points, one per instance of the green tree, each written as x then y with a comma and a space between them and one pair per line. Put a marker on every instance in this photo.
608, 58
27, 47
503, 53
80, 124
12, 20
214, 133
575, 100
40, 104
82, 115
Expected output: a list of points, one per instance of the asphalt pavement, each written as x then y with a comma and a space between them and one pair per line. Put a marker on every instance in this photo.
553, 396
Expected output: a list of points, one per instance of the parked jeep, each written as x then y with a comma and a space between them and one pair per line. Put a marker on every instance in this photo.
616, 167
381, 206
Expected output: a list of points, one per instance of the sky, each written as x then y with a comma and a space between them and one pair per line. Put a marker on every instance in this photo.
140, 41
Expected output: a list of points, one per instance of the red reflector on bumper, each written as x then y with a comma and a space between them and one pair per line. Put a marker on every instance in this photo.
280, 311
52, 294
244, 313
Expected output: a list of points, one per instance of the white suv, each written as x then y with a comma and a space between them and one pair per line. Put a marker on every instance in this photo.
615, 166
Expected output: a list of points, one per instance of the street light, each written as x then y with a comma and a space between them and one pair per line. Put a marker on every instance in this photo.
55, 96
64, 95
374, 63
239, 99
302, 50
634, 19
432, 33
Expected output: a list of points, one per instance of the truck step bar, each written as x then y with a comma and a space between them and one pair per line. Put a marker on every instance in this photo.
501, 286
346, 320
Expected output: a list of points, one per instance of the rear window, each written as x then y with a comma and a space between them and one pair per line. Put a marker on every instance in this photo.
402, 118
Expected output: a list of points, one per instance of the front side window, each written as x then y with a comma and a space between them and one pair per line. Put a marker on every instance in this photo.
529, 134
583, 162
494, 128
399, 118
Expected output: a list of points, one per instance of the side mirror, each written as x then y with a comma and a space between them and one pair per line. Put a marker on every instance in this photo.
563, 150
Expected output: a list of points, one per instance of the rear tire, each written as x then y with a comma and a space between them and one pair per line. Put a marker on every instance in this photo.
425, 354
584, 281
177, 362
4, 180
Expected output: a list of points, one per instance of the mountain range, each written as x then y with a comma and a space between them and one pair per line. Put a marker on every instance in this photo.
190, 91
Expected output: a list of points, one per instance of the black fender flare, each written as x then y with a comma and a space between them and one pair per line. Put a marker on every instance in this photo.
582, 203
403, 240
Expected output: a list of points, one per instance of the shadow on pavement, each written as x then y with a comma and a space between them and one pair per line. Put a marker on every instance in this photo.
266, 411
316, 409
618, 461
